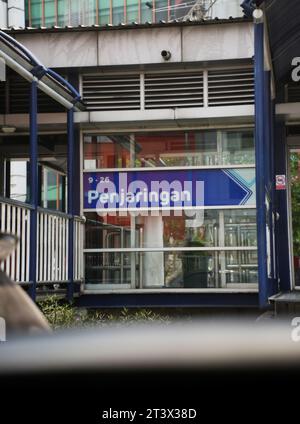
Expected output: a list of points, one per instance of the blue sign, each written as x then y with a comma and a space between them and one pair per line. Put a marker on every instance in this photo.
169, 189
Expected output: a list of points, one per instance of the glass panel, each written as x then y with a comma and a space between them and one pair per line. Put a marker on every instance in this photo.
237, 147
50, 13
36, 13
82, 12
63, 13
118, 11
204, 148
19, 180
240, 227
209, 228
161, 12
53, 190
156, 270
132, 11
102, 269
241, 267
295, 199
146, 12
104, 12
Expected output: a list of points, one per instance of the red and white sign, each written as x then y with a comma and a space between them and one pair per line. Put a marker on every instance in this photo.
280, 182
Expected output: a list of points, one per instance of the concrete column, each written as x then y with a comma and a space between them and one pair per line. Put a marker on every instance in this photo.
153, 262
3, 14
16, 13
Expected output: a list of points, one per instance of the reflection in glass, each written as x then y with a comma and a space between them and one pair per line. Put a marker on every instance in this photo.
110, 268
179, 269
206, 228
182, 149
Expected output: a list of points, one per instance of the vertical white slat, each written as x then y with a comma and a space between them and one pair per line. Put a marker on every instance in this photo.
67, 249
37, 271
23, 244
205, 88
18, 249
63, 253
78, 251
28, 217
13, 254
40, 247
142, 91
45, 249
49, 223
81, 252
52, 249
41, 252
8, 230
2, 207
75, 249
60, 228
49, 247
56, 248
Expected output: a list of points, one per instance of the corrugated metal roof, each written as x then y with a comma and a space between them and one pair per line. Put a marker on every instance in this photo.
133, 25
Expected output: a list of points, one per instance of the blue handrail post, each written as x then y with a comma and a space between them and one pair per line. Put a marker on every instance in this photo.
70, 125
260, 160
33, 180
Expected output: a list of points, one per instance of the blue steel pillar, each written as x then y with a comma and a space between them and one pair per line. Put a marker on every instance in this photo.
33, 181
260, 161
70, 125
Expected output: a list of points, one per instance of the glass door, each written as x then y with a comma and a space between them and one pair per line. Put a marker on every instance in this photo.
294, 183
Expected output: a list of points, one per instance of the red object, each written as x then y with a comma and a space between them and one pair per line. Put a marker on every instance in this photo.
296, 262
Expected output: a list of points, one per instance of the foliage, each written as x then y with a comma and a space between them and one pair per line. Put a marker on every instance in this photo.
295, 193
61, 314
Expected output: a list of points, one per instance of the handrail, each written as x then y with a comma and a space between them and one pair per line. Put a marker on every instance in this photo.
33, 60
65, 83
80, 219
40, 209
60, 214
16, 203
37, 64
54, 212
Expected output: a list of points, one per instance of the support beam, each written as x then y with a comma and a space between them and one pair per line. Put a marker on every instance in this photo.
33, 181
260, 162
71, 189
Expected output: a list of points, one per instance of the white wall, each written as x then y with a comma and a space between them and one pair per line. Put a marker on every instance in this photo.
142, 46
222, 9
3, 14
16, 13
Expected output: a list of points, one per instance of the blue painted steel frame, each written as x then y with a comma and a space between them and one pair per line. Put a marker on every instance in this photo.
39, 71
169, 300
33, 181
282, 229
70, 125
260, 162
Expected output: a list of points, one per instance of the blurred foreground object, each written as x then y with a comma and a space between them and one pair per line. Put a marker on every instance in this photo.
20, 313
200, 345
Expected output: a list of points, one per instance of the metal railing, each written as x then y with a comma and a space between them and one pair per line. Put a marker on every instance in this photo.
15, 219
52, 243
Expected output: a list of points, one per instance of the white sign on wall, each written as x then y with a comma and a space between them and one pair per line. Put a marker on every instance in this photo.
280, 182
2, 70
